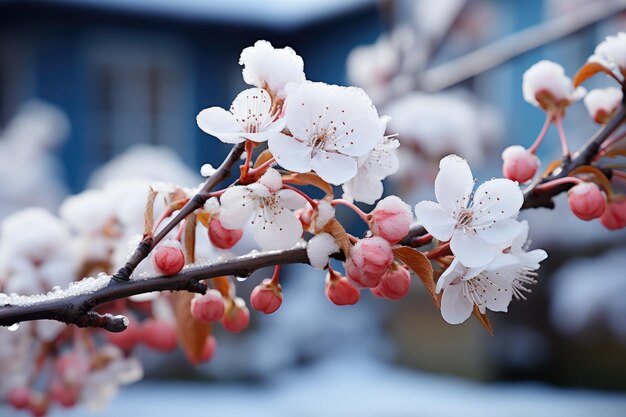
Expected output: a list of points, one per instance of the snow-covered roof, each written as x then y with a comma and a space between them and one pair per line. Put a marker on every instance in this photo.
274, 13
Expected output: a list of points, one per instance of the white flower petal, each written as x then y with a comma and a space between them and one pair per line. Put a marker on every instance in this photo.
437, 221
277, 229
471, 250
220, 123
455, 308
290, 199
454, 183
502, 232
334, 168
238, 204
496, 199
364, 187
290, 153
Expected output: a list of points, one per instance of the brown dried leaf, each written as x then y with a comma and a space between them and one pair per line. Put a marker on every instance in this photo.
263, 157
222, 284
597, 173
483, 319
203, 217
422, 267
551, 167
193, 334
589, 69
190, 238
148, 217
309, 178
339, 233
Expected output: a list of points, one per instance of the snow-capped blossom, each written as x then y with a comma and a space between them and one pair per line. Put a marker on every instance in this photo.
602, 103
275, 69
35, 253
276, 226
369, 260
88, 212
373, 168
586, 201
527, 263
475, 226
250, 117
325, 212
546, 86
519, 164
319, 249
488, 287
611, 54
391, 219
331, 126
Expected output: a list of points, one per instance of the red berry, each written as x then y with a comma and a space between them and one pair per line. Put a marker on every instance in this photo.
614, 216
64, 394
586, 201
237, 316
127, 339
519, 164
168, 259
339, 290
19, 397
159, 335
391, 219
266, 297
38, 404
221, 237
208, 307
369, 260
395, 284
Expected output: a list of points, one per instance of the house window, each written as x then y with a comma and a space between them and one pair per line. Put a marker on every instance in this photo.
139, 94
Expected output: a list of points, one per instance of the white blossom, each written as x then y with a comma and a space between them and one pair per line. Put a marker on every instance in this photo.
276, 227
602, 102
373, 168
545, 85
250, 117
331, 126
486, 287
274, 69
527, 263
319, 249
475, 226
611, 54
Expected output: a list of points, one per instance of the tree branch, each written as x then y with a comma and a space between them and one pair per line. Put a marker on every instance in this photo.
197, 201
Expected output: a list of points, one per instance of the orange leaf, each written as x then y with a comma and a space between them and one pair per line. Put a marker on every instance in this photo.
193, 334
222, 284
601, 179
422, 267
483, 319
339, 233
203, 217
263, 157
148, 217
309, 178
589, 69
551, 167
190, 238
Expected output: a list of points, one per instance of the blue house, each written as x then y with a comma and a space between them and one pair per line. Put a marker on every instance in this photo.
128, 72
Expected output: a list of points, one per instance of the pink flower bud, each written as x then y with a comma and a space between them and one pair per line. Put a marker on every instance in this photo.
38, 404
305, 215
237, 316
586, 201
208, 351
266, 297
159, 335
394, 285
64, 394
208, 307
72, 368
19, 397
369, 260
339, 290
127, 339
391, 219
519, 164
168, 259
614, 217
221, 237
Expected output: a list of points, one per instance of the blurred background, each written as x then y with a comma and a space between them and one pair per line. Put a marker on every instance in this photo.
92, 90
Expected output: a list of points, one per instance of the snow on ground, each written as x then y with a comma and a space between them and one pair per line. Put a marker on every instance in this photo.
356, 386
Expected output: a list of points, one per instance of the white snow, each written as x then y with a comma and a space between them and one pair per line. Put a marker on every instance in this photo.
319, 249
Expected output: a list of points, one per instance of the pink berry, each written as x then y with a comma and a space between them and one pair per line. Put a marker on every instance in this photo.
159, 335
38, 404
266, 297
208, 351
221, 237
614, 216
127, 339
64, 394
168, 259
519, 164
395, 284
391, 219
369, 260
237, 316
339, 290
19, 397
586, 201
208, 307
